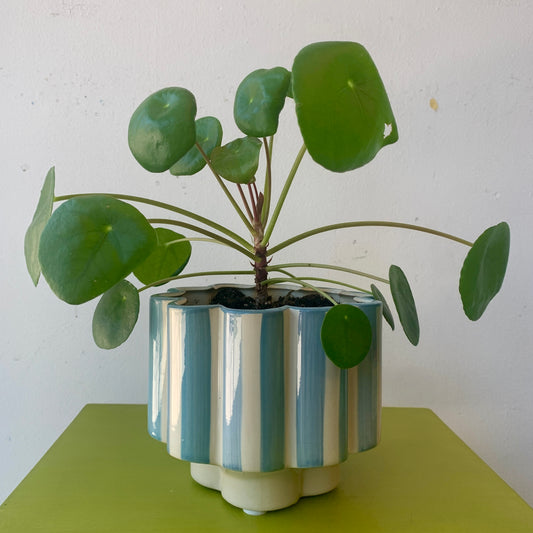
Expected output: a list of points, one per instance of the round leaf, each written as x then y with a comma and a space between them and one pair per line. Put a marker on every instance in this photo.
208, 136
168, 258
343, 109
91, 243
405, 304
484, 269
38, 223
162, 128
259, 100
115, 315
387, 315
346, 335
238, 160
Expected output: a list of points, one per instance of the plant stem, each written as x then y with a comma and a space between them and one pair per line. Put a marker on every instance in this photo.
274, 281
203, 231
168, 207
252, 191
196, 275
226, 190
366, 223
328, 267
327, 280
253, 201
261, 273
282, 196
245, 202
196, 239
268, 180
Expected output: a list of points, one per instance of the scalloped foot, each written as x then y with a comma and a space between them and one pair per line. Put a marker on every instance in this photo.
258, 492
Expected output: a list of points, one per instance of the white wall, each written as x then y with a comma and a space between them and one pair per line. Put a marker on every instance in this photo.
71, 73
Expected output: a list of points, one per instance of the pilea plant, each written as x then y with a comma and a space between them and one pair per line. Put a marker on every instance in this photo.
91, 243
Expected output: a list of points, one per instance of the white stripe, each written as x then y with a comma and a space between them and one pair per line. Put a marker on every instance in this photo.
164, 372
176, 369
331, 414
216, 321
232, 367
164, 365
251, 392
352, 408
292, 350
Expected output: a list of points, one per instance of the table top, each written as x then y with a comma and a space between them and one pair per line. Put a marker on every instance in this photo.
105, 474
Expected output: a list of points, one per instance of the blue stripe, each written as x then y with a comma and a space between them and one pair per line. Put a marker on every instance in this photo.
272, 393
231, 431
343, 415
196, 387
310, 397
368, 386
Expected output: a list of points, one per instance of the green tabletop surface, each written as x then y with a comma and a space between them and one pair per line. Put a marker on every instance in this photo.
105, 474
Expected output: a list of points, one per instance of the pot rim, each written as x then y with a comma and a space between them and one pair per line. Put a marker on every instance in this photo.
196, 297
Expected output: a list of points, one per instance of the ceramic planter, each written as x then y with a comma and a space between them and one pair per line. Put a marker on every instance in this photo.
251, 400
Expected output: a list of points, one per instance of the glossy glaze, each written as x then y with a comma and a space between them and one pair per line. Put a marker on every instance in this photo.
253, 391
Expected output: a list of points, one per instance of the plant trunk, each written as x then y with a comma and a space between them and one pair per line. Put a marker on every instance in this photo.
261, 274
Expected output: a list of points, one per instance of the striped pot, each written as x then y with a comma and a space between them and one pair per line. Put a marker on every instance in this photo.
251, 400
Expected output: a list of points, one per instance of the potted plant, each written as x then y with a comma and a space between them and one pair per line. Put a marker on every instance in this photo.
221, 355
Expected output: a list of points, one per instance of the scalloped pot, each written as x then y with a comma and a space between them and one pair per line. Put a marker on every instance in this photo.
250, 399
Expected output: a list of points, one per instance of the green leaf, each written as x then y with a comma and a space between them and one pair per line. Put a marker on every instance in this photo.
115, 315
289, 89
484, 269
162, 128
346, 335
208, 136
387, 315
168, 258
91, 243
259, 100
405, 304
35, 229
238, 160
342, 107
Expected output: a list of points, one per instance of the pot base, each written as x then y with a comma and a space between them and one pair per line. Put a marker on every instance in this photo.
258, 492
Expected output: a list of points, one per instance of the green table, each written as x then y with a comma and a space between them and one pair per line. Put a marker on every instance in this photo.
105, 474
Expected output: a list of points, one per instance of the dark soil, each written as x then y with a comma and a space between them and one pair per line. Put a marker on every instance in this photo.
235, 299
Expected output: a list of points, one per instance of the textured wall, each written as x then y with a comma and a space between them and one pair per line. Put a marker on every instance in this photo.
459, 76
